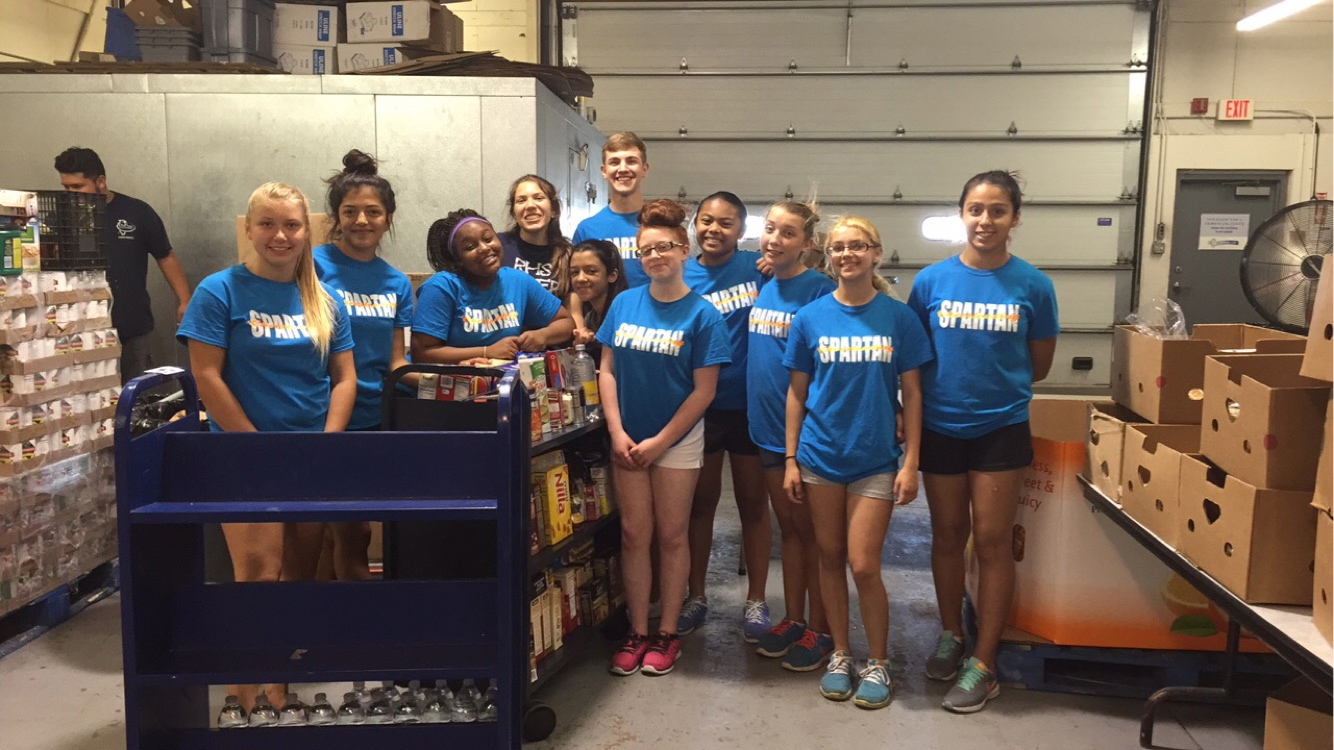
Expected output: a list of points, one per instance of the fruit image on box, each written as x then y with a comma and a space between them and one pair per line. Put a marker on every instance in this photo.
1262, 420
1258, 543
1151, 477
1107, 427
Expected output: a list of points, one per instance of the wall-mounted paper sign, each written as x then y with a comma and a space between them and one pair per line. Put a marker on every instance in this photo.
1224, 231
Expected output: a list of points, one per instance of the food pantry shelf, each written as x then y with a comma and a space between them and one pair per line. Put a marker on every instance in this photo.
369, 509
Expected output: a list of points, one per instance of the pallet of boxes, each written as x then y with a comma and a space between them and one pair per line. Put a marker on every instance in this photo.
59, 384
376, 34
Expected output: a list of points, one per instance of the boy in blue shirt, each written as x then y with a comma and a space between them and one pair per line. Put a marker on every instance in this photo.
624, 166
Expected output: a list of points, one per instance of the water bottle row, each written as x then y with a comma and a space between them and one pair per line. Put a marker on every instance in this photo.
382, 705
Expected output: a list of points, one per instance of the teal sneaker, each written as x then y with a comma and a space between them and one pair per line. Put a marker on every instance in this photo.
809, 653
836, 685
944, 664
780, 639
976, 686
874, 689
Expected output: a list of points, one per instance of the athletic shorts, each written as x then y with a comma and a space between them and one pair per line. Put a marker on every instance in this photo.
878, 486
687, 454
770, 461
728, 430
1005, 449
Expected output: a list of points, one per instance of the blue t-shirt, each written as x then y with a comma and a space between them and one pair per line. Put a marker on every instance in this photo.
766, 378
980, 323
656, 348
272, 366
732, 289
378, 301
621, 230
462, 315
854, 356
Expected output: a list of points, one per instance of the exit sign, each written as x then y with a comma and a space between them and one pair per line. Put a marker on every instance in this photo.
1236, 109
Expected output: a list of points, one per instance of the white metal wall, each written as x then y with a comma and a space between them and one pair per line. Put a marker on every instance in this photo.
883, 108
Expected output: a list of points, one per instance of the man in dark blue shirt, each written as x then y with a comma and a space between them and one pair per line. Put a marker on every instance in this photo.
133, 231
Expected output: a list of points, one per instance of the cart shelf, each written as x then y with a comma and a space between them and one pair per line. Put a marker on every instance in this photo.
249, 511
396, 736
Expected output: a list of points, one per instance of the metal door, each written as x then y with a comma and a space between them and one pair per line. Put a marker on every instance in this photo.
1216, 211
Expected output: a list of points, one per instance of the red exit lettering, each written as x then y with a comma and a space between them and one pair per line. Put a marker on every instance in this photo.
1236, 109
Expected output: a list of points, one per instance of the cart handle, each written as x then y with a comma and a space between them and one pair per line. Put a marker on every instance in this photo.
152, 379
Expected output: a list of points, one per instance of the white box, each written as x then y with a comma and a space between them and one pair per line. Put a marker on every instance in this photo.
312, 25
352, 57
420, 22
302, 60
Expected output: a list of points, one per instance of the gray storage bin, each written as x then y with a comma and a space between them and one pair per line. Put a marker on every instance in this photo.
239, 26
167, 44
238, 56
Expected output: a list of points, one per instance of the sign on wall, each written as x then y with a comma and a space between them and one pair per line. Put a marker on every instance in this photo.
1224, 231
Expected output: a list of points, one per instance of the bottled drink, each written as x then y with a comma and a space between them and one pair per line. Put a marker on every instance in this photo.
588, 380
351, 712
391, 692
322, 712
463, 709
293, 713
434, 708
262, 713
408, 710
232, 716
381, 710
488, 708
471, 692
362, 694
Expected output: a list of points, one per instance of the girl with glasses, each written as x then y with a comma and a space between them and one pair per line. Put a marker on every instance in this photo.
850, 354
992, 319
662, 347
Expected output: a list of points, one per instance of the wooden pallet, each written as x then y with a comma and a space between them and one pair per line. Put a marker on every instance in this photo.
27, 623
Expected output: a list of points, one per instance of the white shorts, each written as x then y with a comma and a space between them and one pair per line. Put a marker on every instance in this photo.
878, 486
688, 453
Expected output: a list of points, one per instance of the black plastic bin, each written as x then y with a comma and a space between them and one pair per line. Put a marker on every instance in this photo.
72, 237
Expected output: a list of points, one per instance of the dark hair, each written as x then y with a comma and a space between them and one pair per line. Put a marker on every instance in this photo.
80, 160
359, 170
664, 214
610, 258
728, 198
1007, 181
555, 239
438, 252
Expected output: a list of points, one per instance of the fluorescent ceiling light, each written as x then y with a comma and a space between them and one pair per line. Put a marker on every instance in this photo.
944, 229
1276, 12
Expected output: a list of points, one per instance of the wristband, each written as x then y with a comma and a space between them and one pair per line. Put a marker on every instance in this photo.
789, 458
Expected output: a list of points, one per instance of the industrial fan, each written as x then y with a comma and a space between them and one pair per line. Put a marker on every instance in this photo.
1282, 262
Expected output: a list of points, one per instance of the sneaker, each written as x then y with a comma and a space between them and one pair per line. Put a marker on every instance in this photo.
945, 663
693, 612
780, 638
809, 653
663, 649
976, 686
754, 621
628, 657
836, 685
874, 689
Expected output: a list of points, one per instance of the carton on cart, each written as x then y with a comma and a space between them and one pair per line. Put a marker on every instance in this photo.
1151, 478
1298, 717
1161, 379
1080, 579
1105, 444
1259, 543
1319, 356
1262, 421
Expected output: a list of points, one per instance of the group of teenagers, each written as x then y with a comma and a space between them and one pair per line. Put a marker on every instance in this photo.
826, 394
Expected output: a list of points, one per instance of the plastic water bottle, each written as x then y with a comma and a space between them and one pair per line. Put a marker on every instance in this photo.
381, 710
488, 709
293, 713
362, 694
434, 708
391, 692
464, 708
351, 712
262, 713
322, 712
588, 380
471, 692
232, 716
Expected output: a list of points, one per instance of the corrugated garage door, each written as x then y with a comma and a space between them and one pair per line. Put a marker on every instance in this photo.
884, 109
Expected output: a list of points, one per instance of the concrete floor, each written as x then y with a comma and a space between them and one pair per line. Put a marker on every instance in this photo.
64, 691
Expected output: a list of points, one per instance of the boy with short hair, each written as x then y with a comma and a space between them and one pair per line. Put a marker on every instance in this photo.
624, 166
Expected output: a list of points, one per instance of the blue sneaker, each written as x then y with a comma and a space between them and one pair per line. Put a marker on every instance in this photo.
754, 621
874, 690
693, 612
809, 653
781, 638
836, 685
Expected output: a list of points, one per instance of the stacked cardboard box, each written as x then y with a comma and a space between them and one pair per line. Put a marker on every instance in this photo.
1318, 363
386, 33
305, 38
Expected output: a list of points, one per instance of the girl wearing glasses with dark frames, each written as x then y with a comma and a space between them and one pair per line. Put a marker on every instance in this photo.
992, 318
662, 347
850, 354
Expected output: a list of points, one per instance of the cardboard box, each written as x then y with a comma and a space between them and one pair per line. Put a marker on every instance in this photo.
1324, 470
422, 23
1259, 543
307, 25
1081, 580
1262, 421
1107, 428
1322, 589
306, 61
354, 57
1161, 380
1298, 717
1319, 356
1151, 477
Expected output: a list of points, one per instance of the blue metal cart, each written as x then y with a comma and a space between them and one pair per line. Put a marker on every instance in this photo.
182, 634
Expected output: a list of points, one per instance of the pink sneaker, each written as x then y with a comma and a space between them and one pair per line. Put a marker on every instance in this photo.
663, 649
627, 658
